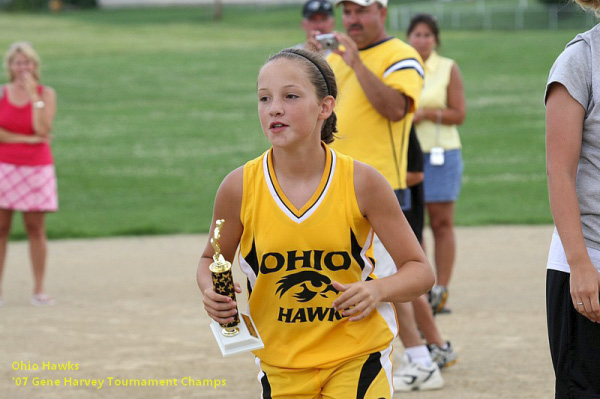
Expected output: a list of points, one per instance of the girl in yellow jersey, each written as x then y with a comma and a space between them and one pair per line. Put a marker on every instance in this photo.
304, 217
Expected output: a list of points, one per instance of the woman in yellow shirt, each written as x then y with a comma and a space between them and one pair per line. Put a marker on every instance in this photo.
441, 109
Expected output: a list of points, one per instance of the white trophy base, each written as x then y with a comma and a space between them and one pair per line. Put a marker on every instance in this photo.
244, 341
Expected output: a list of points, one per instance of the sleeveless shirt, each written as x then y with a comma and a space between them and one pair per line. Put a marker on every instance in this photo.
291, 256
435, 95
19, 120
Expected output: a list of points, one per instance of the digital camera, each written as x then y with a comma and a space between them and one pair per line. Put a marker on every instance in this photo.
328, 41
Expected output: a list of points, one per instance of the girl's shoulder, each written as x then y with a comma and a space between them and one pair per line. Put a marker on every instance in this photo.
229, 195
373, 191
367, 179
232, 183
46, 91
573, 66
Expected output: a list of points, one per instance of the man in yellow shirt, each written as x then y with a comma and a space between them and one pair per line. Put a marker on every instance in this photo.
380, 79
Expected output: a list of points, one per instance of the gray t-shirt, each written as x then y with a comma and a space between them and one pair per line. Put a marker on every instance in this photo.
573, 69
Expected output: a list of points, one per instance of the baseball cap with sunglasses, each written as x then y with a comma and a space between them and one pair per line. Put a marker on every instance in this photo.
312, 7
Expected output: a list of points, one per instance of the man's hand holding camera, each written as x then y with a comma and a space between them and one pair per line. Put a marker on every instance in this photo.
347, 49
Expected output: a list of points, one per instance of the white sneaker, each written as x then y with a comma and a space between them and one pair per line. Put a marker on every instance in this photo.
417, 377
42, 300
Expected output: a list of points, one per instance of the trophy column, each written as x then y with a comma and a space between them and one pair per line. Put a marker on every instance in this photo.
223, 283
240, 335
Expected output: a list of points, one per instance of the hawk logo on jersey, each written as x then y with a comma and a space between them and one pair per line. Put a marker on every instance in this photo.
307, 280
303, 280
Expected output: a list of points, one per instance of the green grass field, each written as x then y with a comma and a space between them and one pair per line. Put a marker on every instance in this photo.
156, 106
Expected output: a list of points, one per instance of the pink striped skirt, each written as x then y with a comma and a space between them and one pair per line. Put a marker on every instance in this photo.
28, 188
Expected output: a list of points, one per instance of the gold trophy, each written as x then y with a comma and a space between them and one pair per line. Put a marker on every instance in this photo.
240, 335
223, 279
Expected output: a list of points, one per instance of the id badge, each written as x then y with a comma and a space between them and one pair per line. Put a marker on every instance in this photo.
437, 156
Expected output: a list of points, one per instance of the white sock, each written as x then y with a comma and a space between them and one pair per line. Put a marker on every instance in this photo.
419, 354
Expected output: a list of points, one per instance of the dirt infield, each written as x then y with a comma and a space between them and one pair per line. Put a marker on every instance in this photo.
129, 315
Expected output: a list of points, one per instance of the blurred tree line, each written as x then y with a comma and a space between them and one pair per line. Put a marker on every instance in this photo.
57, 5
41, 5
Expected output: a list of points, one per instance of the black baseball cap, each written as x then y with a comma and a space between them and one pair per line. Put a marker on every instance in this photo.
312, 7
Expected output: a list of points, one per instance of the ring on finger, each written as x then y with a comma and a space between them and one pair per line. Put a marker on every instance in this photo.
579, 303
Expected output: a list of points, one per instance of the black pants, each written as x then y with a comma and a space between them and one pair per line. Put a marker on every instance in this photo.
412, 202
574, 342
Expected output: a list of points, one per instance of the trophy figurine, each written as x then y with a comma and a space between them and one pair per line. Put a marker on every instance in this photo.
240, 335
223, 279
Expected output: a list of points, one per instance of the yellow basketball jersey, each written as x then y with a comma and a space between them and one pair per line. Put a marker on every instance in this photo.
291, 256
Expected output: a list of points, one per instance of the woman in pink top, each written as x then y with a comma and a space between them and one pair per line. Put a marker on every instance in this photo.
27, 178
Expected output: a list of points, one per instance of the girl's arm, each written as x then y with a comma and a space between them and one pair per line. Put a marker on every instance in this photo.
228, 203
9, 137
456, 109
43, 118
564, 124
414, 277
414, 178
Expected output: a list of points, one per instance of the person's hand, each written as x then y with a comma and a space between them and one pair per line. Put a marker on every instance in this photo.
358, 300
585, 280
30, 85
37, 139
220, 308
348, 49
312, 43
419, 115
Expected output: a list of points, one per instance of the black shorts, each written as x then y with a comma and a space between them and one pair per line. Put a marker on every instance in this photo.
574, 342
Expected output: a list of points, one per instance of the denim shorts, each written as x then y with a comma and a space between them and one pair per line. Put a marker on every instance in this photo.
442, 183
